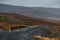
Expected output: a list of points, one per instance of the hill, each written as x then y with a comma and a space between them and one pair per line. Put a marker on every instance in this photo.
17, 16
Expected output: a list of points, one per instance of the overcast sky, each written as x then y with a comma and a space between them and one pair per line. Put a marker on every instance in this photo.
33, 3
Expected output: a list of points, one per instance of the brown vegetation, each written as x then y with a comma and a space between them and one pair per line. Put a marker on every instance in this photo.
8, 21
44, 38
15, 20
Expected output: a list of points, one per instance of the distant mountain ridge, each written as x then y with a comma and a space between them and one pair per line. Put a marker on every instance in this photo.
35, 12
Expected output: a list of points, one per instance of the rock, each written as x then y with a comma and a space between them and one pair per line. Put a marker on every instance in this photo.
25, 33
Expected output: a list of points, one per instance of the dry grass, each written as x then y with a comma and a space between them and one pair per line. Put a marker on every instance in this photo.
27, 21
44, 38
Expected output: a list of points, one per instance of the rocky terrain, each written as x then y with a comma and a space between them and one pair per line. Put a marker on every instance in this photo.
26, 33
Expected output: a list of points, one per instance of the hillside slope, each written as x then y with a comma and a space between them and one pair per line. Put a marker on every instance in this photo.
36, 12
16, 16
18, 21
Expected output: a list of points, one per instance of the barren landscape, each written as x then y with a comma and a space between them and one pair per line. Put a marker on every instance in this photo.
16, 17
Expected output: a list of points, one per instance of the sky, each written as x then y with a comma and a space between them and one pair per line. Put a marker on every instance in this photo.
33, 3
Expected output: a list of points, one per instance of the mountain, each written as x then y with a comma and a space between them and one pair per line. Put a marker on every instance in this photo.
35, 12
12, 17
51, 14
16, 16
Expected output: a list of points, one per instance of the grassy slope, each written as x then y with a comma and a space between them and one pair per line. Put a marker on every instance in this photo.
15, 20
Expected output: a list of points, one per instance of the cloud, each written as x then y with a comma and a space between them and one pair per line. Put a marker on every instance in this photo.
1, 0
31, 3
